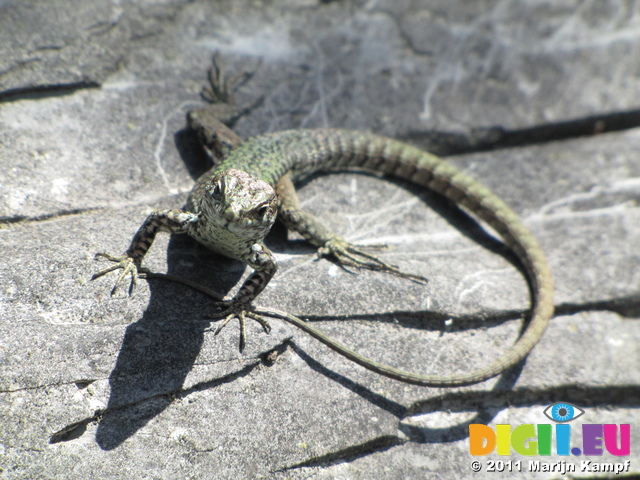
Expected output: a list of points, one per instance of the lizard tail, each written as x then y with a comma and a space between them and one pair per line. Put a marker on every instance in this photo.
345, 149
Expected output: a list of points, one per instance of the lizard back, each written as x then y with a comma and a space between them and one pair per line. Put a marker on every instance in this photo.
303, 152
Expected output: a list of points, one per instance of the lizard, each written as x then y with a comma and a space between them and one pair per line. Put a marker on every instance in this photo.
233, 206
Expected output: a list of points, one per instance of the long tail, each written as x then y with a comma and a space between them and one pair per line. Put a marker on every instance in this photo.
341, 148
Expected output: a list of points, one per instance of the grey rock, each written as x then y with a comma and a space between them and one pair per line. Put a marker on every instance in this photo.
92, 138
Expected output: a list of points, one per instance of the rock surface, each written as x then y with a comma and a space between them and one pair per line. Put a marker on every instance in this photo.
92, 138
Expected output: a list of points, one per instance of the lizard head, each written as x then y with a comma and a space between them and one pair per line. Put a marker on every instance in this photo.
240, 204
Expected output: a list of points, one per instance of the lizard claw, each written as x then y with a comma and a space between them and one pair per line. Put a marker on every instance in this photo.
241, 311
220, 92
128, 266
354, 256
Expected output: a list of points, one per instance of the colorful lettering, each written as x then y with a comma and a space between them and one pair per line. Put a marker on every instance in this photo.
592, 439
611, 439
523, 440
563, 439
482, 439
529, 440
544, 439
504, 439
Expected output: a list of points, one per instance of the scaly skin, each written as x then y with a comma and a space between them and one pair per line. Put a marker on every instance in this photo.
233, 206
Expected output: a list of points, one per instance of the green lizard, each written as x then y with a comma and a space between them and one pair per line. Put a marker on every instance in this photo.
233, 206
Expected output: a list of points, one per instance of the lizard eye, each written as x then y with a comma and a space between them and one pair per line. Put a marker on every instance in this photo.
263, 211
216, 191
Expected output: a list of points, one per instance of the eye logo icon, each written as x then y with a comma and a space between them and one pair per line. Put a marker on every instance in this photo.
563, 412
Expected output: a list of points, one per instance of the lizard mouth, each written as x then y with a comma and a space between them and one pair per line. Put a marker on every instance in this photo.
242, 227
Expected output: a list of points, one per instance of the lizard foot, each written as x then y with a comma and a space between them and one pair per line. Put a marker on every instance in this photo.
220, 92
128, 266
354, 256
241, 311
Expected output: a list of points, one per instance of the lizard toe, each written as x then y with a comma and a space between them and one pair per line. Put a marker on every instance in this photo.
128, 266
354, 256
240, 311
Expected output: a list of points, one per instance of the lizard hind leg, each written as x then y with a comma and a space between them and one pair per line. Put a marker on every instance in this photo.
213, 123
355, 256
220, 92
328, 243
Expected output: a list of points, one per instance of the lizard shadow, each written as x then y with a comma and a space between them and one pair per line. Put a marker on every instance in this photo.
463, 223
468, 405
460, 408
159, 350
446, 209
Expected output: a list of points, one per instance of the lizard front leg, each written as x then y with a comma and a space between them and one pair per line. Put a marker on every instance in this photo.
174, 221
328, 242
265, 266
